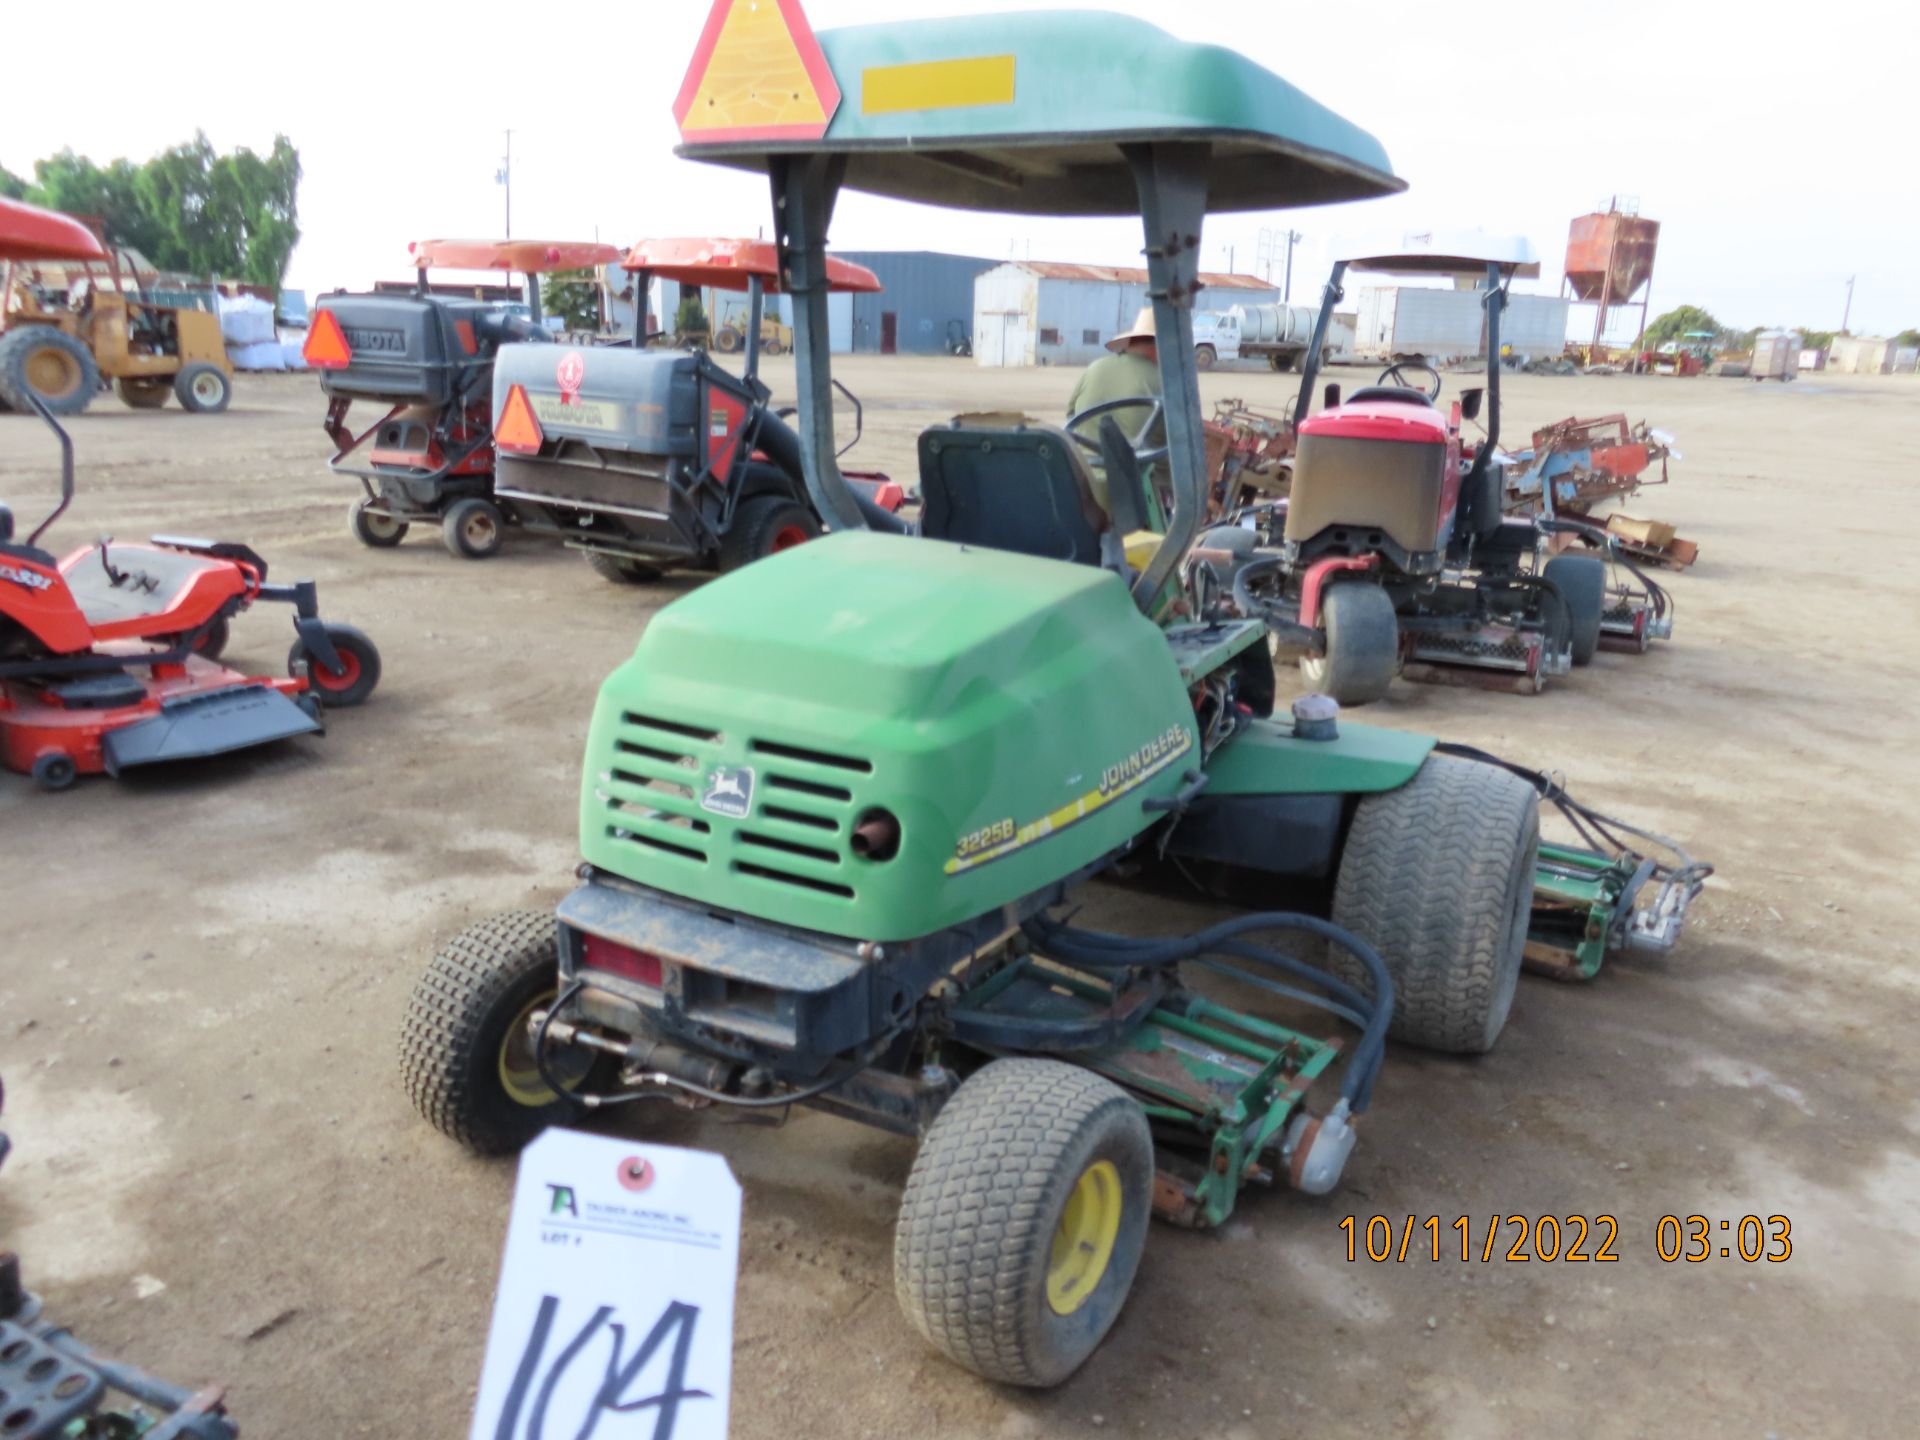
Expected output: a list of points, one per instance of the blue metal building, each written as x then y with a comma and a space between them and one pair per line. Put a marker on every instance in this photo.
928, 297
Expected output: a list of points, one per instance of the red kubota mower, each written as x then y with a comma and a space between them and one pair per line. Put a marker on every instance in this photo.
428, 356
652, 459
108, 658
1396, 555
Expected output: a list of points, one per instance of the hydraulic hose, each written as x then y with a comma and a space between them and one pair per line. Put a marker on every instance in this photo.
1097, 950
778, 442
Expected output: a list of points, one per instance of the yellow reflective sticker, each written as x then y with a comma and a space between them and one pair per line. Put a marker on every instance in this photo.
937, 85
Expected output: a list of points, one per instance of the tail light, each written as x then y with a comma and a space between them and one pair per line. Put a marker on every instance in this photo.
519, 428
612, 958
326, 347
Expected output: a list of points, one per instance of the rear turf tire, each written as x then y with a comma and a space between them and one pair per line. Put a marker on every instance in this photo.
990, 1262
374, 529
473, 529
462, 1061
1363, 644
763, 526
1582, 583
621, 570
1438, 877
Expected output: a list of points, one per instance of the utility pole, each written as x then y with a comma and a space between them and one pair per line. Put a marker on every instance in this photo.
1294, 237
1847, 314
504, 176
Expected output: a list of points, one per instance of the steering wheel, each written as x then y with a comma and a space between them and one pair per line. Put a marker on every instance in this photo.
1124, 457
1393, 375
1143, 454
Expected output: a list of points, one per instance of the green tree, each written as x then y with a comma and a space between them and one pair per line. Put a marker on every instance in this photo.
189, 208
1675, 323
1906, 338
573, 295
691, 319
12, 187
1817, 339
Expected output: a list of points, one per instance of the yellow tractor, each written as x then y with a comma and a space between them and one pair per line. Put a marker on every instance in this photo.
730, 334
59, 348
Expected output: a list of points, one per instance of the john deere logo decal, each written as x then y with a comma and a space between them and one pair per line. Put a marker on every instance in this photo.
729, 792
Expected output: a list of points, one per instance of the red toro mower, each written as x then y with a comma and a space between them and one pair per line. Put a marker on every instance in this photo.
428, 357
109, 657
1396, 556
652, 459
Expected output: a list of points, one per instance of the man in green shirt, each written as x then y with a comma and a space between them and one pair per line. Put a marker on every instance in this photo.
1133, 369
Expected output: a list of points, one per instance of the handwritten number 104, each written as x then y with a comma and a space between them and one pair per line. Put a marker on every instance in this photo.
676, 1322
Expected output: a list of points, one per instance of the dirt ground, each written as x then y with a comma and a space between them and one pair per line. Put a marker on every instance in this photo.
216, 1171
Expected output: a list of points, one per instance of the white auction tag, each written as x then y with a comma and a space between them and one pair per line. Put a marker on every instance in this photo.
614, 1313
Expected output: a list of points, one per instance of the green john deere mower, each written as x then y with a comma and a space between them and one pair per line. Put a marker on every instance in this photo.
837, 806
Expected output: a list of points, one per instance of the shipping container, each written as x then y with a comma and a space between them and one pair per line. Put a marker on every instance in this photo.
1534, 326
1400, 322
1032, 312
1860, 355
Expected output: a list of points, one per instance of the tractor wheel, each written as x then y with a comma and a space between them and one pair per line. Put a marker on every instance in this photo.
764, 526
1363, 644
1204, 356
1438, 877
50, 365
774, 347
138, 393
54, 772
1278, 361
621, 569
373, 527
727, 340
357, 676
466, 1058
204, 389
1582, 583
212, 643
1024, 1218
473, 529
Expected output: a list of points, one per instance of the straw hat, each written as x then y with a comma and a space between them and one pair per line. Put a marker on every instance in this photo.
1141, 329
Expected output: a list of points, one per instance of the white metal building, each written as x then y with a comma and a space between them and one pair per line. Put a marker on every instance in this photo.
1041, 312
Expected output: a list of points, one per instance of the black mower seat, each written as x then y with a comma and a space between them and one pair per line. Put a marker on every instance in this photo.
1025, 489
1393, 394
152, 580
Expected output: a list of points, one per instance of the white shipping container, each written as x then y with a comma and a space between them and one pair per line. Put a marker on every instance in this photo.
1401, 321
1534, 325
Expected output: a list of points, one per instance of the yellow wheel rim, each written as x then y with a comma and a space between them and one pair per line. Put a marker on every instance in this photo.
1083, 1240
520, 1075
52, 372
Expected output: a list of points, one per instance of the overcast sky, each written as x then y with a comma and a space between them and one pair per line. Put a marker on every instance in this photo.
1774, 143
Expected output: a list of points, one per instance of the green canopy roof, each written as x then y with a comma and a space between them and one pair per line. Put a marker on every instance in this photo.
1026, 113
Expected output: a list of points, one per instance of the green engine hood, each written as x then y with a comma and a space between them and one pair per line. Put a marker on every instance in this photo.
1010, 713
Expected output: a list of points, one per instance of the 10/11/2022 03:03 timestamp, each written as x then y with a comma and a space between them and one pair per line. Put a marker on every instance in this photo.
1677, 1239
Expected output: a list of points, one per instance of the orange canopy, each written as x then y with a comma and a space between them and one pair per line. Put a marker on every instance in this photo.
29, 233
529, 257
728, 264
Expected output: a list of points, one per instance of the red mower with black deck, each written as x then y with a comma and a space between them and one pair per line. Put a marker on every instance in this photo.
109, 658
428, 357
1396, 556
649, 459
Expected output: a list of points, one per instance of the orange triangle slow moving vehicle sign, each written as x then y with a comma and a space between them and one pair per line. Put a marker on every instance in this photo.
757, 74
326, 347
519, 428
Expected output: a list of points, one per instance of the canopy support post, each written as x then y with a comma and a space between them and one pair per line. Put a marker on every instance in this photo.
1172, 180
804, 190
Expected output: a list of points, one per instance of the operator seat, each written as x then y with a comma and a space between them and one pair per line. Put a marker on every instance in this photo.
151, 582
1025, 489
1394, 394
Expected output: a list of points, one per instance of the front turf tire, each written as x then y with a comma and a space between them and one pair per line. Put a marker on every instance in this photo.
463, 1065
1363, 644
1438, 877
1024, 1220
